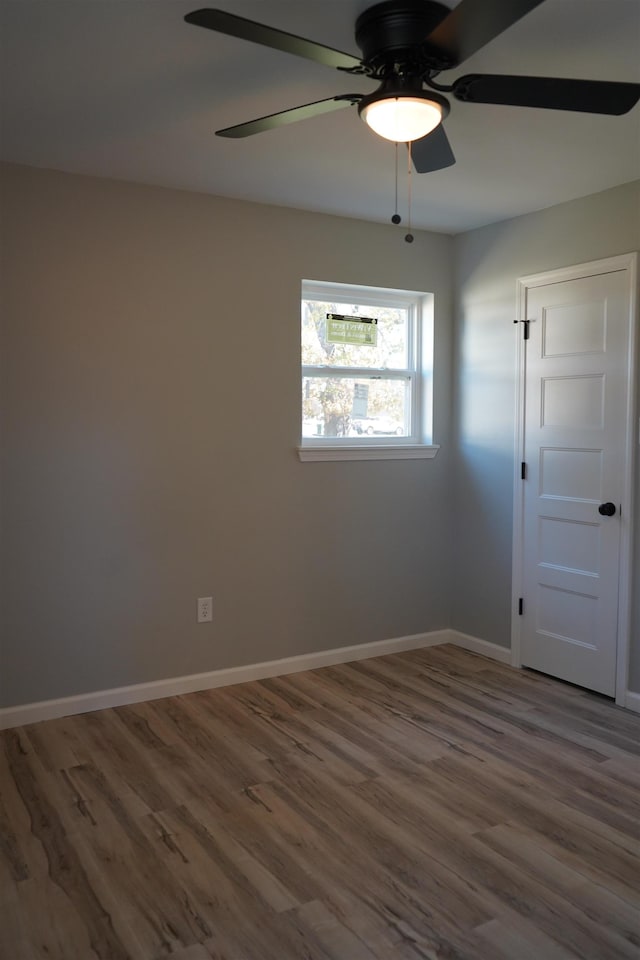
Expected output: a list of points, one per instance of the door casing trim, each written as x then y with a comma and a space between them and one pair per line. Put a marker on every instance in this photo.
629, 263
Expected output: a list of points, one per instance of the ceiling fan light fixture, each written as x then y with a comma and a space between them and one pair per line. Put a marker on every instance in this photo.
403, 117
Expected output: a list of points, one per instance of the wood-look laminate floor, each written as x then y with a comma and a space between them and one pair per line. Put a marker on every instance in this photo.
432, 804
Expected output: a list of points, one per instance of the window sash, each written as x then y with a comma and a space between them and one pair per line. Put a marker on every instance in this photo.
413, 373
411, 381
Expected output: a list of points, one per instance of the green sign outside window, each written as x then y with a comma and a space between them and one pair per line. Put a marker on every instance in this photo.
357, 331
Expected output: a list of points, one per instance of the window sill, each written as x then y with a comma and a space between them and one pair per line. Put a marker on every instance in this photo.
407, 451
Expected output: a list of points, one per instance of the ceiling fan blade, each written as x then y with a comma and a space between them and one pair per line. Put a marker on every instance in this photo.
233, 26
473, 23
432, 152
585, 96
304, 112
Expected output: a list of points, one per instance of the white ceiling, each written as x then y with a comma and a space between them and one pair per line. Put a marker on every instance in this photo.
126, 89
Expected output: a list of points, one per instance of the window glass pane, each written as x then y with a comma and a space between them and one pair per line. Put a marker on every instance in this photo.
356, 407
382, 345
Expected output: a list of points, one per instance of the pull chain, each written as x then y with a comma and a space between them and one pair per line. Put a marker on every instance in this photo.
409, 235
396, 218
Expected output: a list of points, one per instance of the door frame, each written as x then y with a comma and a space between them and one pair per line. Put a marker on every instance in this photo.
628, 263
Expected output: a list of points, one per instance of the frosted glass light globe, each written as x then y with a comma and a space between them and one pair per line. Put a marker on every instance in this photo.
402, 118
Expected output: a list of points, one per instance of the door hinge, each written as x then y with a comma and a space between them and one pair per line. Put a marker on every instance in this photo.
520, 606
523, 471
525, 326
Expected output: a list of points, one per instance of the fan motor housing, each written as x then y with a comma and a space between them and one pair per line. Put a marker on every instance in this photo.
396, 29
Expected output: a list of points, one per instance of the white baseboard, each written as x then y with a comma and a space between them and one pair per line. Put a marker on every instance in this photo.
632, 701
476, 645
173, 686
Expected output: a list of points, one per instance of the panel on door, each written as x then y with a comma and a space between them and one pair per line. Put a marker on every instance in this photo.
575, 403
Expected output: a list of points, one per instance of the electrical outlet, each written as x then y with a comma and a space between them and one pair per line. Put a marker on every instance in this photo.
205, 609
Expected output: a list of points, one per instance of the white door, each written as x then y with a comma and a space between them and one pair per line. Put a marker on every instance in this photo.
575, 442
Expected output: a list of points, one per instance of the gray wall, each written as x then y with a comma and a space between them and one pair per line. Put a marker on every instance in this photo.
489, 261
150, 402
150, 398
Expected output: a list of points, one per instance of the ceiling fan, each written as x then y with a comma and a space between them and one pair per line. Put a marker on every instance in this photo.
405, 45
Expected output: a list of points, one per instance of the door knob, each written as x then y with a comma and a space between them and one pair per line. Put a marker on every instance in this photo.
607, 509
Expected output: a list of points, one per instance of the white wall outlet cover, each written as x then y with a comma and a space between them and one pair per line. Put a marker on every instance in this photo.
205, 609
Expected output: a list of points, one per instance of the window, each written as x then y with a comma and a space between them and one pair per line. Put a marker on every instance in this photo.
367, 357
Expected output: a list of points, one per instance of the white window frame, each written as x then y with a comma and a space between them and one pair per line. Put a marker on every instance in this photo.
419, 372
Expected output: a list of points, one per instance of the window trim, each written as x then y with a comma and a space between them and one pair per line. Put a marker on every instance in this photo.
418, 445
413, 451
